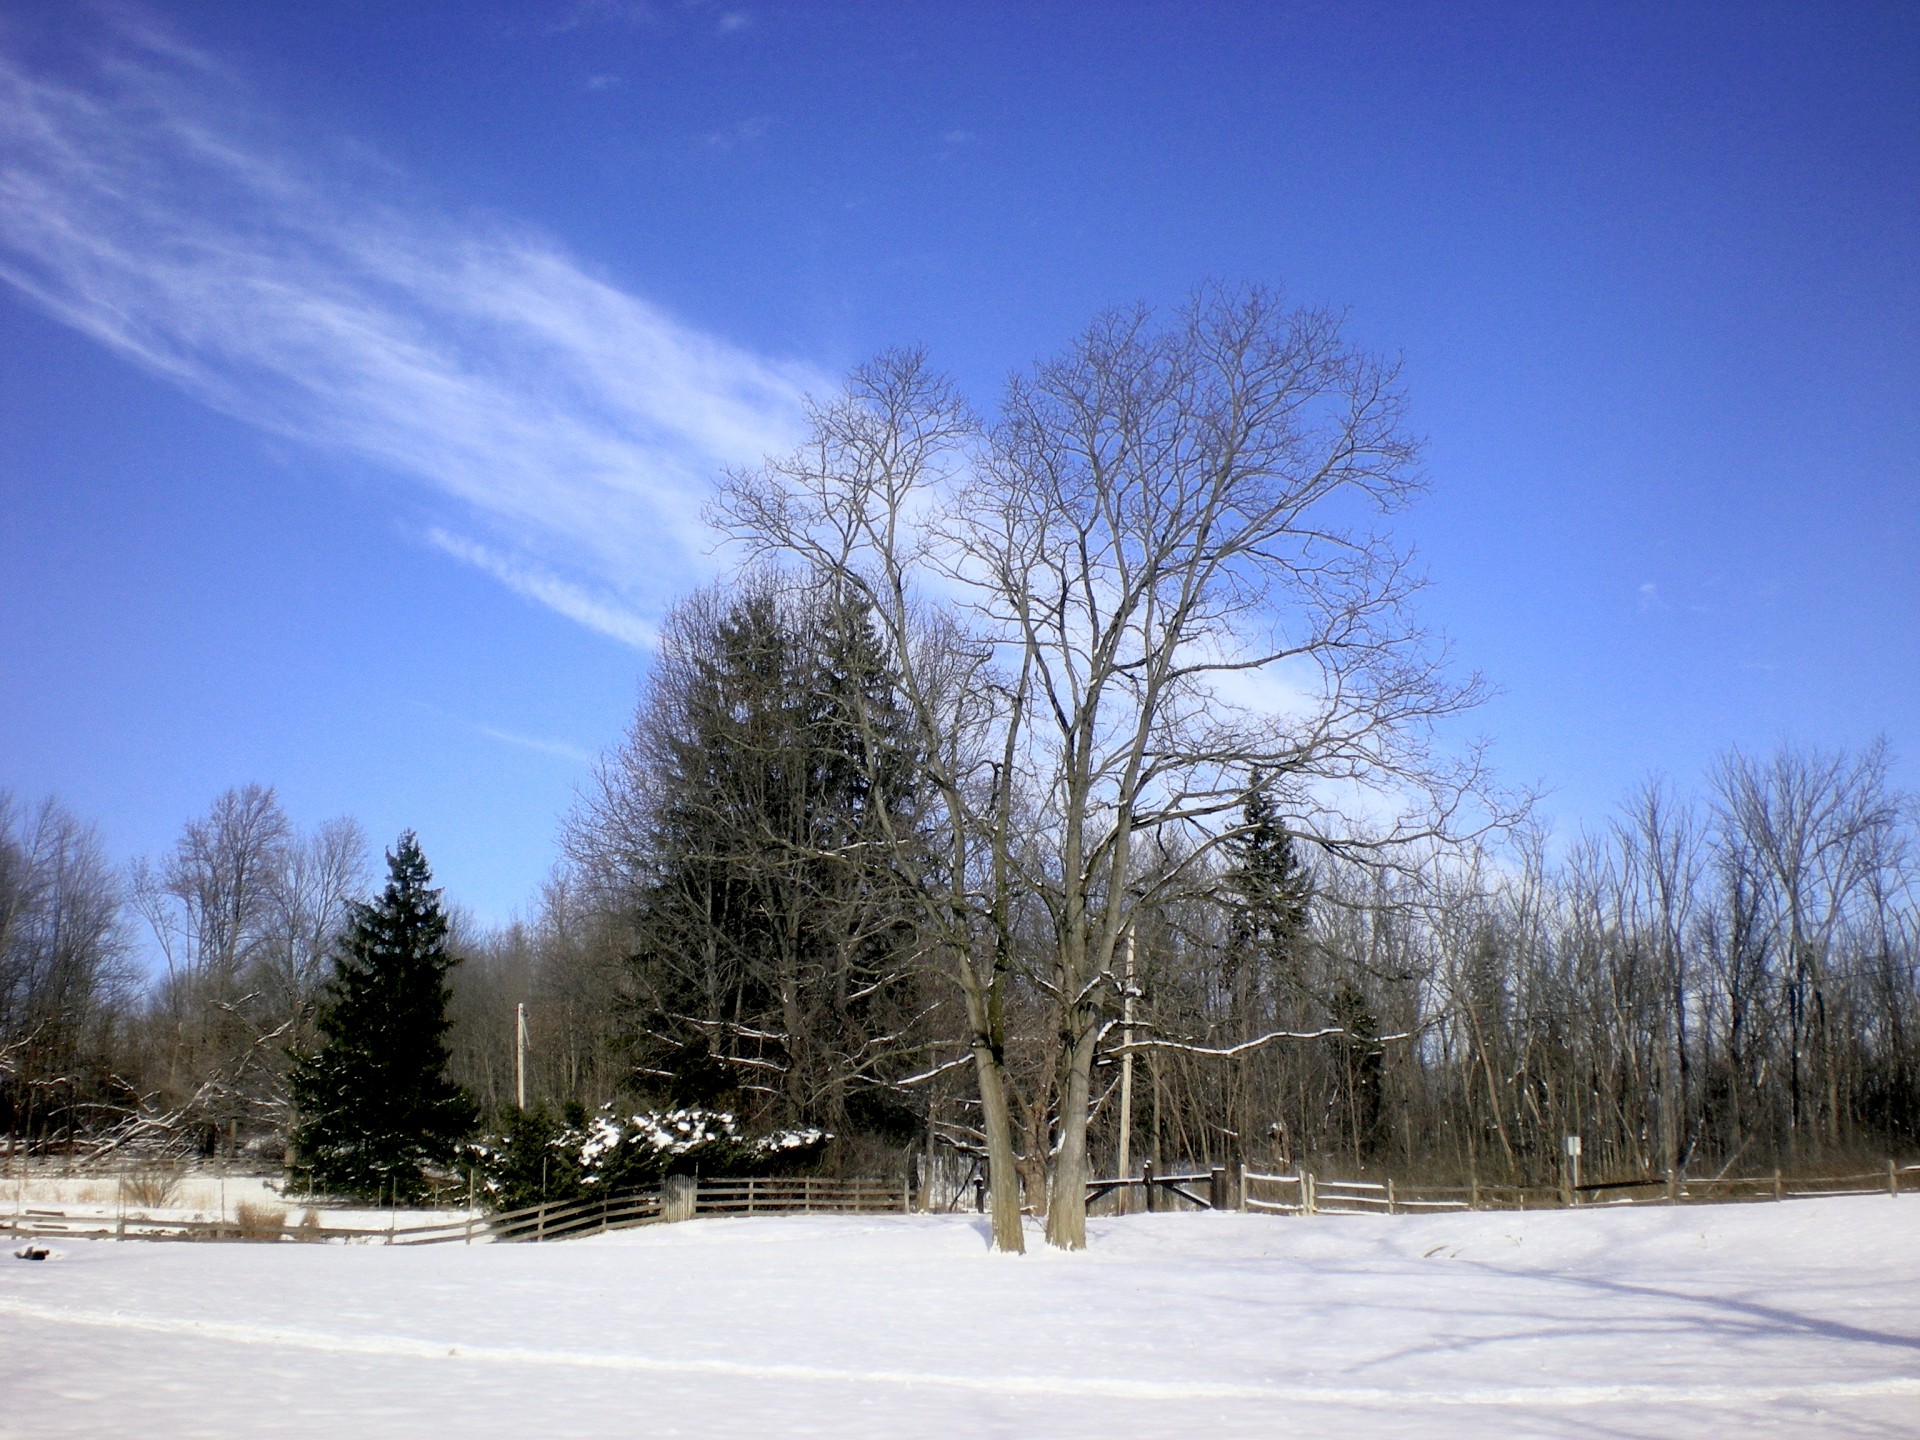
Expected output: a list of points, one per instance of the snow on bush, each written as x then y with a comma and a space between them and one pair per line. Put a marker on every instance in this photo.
540, 1158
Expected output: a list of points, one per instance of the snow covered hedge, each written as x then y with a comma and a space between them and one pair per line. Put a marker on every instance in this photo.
540, 1157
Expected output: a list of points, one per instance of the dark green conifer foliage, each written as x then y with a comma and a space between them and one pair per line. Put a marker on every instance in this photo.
1270, 888
772, 929
374, 1108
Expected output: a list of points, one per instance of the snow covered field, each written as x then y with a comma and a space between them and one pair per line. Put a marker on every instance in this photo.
1793, 1319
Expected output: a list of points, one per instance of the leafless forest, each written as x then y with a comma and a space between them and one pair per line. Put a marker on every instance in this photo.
1115, 706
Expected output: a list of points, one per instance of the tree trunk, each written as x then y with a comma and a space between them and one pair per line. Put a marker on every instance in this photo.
1003, 1174
989, 1064
1067, 1200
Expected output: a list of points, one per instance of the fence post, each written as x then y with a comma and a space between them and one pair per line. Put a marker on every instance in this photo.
1146, 1180
679, 1197
980, 1194
1893, 1181
1776, 1182
1473, 1193
1240, 1186
1308, 1204
1673, 1186
540, 1223
1217, 1188
1390, 1204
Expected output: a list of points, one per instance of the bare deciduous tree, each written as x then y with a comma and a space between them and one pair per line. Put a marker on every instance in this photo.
1159, 556
244, 911
64, 977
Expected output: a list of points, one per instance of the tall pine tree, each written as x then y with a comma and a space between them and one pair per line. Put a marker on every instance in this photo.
745, 834
374, 1108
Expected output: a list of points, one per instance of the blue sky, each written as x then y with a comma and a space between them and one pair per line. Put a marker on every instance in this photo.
362, 367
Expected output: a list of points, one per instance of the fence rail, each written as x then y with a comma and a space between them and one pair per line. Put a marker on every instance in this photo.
554, 1220
1156, 1188
801, 1195
62, 1224
571, 1220
1220, 1188
1307, 1194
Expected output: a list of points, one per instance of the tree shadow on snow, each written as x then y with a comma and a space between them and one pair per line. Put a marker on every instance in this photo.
1725, 1317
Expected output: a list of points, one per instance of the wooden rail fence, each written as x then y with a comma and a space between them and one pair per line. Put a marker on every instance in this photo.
1156, 1189
680, 1198
1308, 1194
799, 1195
1219, 1188
49, 1223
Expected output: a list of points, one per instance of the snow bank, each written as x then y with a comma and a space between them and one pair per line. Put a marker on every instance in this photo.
1790, 1318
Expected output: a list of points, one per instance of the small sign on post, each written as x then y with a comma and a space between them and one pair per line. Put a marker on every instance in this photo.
1573, 1169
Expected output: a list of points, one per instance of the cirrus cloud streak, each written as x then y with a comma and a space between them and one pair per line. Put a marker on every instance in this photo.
568, 427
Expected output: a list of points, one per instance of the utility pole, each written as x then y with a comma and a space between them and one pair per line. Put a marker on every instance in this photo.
1126, 1067
520, 1054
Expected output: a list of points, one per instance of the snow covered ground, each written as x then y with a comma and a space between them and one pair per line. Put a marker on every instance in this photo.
1794, 1319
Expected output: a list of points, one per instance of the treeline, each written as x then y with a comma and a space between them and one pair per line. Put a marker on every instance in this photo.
1022, 755
1724, 980
1714, 983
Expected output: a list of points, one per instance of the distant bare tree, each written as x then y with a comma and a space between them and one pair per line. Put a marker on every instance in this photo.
1818, 826
244, 911
64, 976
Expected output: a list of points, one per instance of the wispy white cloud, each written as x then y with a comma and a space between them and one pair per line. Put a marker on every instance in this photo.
597, 610
558, 749
571, 425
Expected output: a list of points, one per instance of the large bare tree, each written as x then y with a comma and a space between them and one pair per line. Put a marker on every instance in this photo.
1161, 571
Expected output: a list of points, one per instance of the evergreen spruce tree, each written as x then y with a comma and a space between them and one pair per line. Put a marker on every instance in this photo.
754, 807
1270, 889
374, 1107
